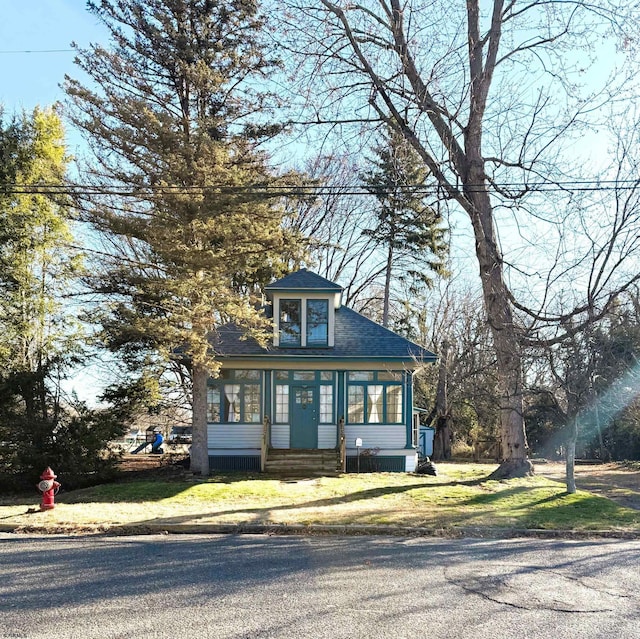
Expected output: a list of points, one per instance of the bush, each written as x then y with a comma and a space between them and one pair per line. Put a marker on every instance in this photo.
461, 450
74, 446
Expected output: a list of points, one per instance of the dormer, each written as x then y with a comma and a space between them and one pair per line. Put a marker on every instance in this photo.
304, 306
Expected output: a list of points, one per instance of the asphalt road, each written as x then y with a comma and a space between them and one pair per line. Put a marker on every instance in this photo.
233, 587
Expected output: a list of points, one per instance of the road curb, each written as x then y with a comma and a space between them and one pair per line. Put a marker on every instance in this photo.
155, 528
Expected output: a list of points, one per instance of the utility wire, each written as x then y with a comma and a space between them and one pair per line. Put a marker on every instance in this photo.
272, 190
38, 51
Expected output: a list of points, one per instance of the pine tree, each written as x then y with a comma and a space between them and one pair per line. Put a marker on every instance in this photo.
41, 340
36, 264
176, 122
410, 231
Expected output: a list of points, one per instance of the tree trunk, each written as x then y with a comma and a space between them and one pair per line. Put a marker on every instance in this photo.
199, 446
515, 462
442, 436
387, 288
442, 440
571, 458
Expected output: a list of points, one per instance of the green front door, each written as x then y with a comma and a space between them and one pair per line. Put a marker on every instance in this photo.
304, 417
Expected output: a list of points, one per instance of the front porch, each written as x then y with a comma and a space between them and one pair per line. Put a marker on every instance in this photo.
359, 455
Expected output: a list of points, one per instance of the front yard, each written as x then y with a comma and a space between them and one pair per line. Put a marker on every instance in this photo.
459, 498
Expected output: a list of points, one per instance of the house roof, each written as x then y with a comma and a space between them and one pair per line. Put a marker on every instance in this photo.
356, 337
304, 280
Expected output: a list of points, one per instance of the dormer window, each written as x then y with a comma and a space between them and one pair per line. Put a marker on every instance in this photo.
290, 323
317, 322
304, 310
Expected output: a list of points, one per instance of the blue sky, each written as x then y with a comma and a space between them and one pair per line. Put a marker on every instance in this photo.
35, 54
35, 51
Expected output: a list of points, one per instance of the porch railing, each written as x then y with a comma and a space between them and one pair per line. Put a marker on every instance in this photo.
343, 445
265, 443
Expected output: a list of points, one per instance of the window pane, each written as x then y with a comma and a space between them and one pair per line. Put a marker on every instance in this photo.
374, 404
317, 322
389, 376
231, 403
360, 376
247, 374
304, 376
326, 404
252, 403
282, 374
282, 404
394, 404
326, 376
415, 431
355, 409
290, 322
213, 405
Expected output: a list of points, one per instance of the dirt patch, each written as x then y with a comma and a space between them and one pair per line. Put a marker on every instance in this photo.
614, 481
141, 466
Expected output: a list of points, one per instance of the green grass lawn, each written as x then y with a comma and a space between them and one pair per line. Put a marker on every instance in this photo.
460, 496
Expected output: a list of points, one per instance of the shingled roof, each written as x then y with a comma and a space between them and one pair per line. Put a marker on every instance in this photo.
356, 337
304, 280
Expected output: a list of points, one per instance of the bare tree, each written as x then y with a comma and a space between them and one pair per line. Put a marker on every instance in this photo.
488, 96
464, 386
335, 218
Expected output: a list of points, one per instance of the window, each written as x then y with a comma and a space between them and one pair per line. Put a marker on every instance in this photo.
361, 376
246, 374
394, 404
374, 397
326, 404
213, 405
317, 322
231, 405
304, 376
252, 403
282, 404
355, 411
325, 395
290, 323
235, 398
389, 376
375, 405
415, 431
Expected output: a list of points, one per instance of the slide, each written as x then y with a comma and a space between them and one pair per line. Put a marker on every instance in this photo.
155, 445
140, 448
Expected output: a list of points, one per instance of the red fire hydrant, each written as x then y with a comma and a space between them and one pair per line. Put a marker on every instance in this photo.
49, 488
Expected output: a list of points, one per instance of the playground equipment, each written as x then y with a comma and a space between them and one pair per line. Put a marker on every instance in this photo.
154, 439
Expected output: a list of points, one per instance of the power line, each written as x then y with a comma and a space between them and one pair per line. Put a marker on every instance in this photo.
20, 51
275, 190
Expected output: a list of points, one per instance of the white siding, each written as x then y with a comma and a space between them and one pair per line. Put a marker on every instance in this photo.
412, 462
234, 435
234, 452
280, 435
394, 436
327, 436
